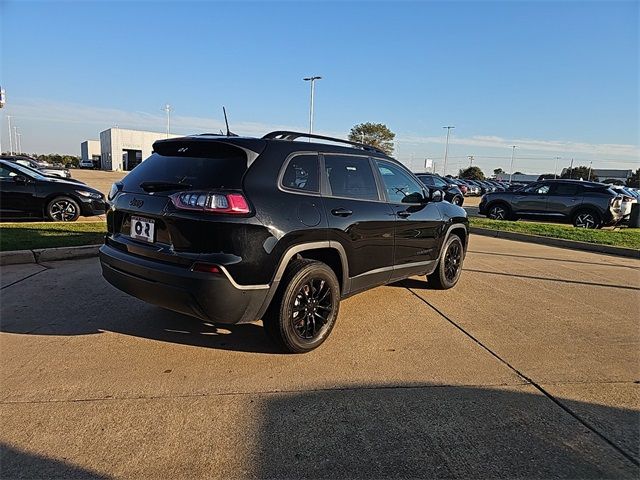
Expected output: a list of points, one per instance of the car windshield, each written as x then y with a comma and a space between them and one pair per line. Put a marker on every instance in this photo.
29, 172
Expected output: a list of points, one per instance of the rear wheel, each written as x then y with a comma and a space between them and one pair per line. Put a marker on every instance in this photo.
304, 310
447, 274
63, 209
587, 219
457, 200
499, 211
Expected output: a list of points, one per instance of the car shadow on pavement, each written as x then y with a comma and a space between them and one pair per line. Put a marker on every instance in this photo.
16, 463
411, 431
136, 318
415, 283
402, 430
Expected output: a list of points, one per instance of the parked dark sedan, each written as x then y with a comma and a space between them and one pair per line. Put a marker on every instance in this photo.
585, 204
452, 193
43, 167
25, 193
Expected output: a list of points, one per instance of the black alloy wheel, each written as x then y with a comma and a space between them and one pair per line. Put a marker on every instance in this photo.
63, 209
449, 268
453, 261
311, 308
304, 310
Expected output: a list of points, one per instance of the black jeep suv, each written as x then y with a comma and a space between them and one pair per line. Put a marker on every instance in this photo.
585, 204
233, 229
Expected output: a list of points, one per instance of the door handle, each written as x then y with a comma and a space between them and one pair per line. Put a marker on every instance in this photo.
403, 214
341, 212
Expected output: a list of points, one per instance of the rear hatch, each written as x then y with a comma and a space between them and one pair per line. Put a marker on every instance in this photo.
162, 208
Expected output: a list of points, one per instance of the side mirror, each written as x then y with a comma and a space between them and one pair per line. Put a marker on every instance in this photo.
20, 179
437, 196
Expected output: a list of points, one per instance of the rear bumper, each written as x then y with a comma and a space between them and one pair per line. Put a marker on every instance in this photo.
212, 297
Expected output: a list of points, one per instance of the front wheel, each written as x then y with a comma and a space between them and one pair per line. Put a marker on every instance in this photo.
63, 209
305, 307
449, 268
457, 200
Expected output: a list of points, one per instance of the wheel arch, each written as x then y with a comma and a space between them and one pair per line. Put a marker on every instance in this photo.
329, 252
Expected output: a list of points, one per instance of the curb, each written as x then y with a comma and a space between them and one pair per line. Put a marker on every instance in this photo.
557, 242
40, 255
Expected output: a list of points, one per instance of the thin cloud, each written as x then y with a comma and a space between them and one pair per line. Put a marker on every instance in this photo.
75, 123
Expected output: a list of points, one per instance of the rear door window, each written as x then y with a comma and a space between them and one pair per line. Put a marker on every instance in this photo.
565, 189
302, 174
350, 177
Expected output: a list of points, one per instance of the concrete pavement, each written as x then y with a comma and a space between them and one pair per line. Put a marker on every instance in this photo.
528, 368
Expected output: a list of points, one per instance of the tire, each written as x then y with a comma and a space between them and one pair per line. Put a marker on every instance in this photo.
587, 218
449, 268
63, 209
499, 211
308, 291
457, 200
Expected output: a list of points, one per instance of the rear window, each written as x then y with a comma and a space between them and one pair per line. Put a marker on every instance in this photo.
217, 166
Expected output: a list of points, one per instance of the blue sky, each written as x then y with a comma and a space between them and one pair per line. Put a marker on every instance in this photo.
554, 78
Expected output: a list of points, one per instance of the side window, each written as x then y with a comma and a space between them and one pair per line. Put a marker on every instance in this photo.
350, 177
439, 182
400, 187
302, 174
538, 189
6, 173
565, 189
427, 180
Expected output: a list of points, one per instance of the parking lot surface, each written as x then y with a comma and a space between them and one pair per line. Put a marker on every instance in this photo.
529, 367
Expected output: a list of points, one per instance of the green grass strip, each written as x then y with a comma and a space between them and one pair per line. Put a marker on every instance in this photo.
623, 237
27, 236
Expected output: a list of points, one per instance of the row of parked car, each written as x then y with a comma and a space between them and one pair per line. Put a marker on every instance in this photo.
585, 204
582, 203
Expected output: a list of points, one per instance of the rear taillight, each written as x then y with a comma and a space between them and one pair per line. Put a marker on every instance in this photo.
205, 268
233, 203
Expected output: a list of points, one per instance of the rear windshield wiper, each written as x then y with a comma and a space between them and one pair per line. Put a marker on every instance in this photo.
160, 186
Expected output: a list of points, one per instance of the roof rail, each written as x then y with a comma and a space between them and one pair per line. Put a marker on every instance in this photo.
287, 135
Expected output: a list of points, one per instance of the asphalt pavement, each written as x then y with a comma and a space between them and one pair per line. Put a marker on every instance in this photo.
530, 367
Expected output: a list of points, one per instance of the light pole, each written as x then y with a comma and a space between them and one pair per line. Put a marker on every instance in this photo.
555, 171
19, 141
10, 135
571, 169
15, 133
589, 177
513, 153
313, 82
167, 108
446, 151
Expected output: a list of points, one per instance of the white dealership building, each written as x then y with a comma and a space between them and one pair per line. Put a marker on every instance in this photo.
122, 149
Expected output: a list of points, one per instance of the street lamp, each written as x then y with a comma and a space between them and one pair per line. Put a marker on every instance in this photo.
167, 109
10, 135
513, 152
313, 81
446, 151
555, 171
